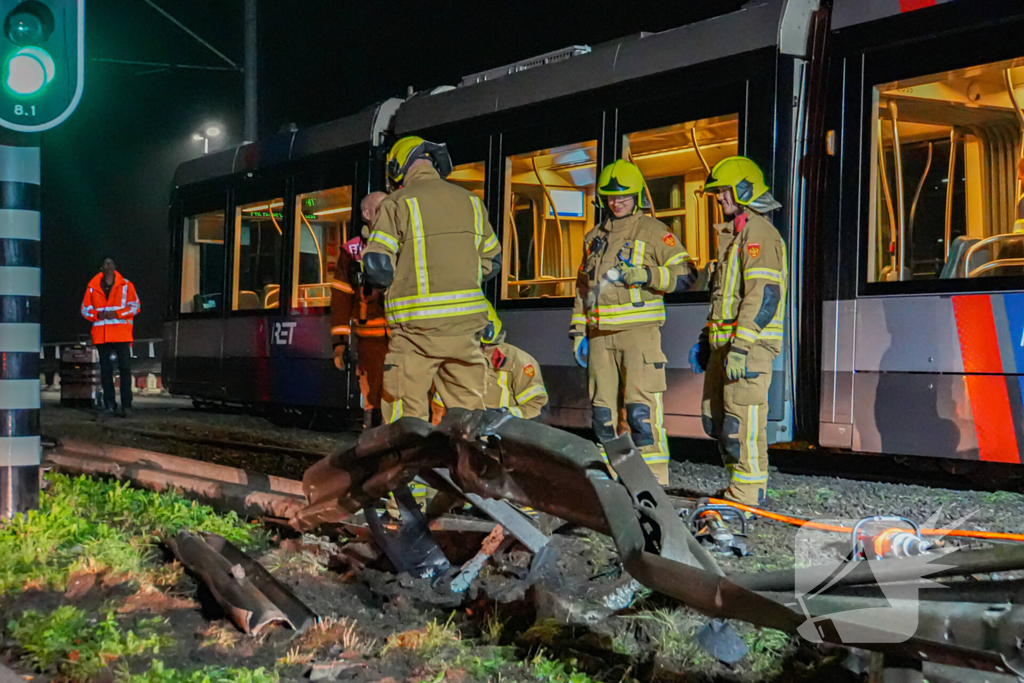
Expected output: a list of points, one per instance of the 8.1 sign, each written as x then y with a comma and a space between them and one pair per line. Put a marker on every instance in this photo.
42, 62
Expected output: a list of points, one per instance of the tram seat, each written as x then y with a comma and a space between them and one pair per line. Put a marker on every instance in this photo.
271, 296
248, 300
954, 267
204, 302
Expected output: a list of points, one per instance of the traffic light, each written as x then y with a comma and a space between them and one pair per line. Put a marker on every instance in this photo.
42, 62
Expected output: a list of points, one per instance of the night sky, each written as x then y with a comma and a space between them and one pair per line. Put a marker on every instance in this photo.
107, 170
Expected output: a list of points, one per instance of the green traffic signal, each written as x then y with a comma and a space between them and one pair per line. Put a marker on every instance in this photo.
28, 71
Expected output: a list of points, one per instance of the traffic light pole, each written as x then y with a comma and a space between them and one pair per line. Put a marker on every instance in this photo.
20, 449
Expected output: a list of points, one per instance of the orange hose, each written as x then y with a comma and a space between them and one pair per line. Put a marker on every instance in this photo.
796, 521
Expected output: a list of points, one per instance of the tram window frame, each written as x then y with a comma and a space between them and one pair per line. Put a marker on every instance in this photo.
651, 116
555, 132
348, 231
189, 208
319, 176
867, 70
246, 197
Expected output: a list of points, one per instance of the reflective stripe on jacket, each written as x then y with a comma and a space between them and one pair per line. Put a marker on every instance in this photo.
354, 310
748, 290
123, 302
605, 304
441, 244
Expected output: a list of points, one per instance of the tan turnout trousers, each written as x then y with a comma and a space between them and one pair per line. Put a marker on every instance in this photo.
736, 414
415, 363
630, 363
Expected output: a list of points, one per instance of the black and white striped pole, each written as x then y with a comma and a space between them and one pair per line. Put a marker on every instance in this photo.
20, 449
42, 74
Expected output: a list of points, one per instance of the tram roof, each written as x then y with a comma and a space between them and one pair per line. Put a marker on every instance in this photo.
756, 25
851, 12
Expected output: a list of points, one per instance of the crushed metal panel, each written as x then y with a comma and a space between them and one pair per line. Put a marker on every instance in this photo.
249, 595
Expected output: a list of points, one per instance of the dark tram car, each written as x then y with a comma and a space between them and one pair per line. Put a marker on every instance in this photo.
255, 235
923, 281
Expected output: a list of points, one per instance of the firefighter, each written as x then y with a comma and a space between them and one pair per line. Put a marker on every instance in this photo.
514, 382
431, 248
630, 262
357, 314
111, 304
745, 326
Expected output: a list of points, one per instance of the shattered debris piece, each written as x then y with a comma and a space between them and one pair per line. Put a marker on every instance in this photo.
250, 596
722, 642
472, 569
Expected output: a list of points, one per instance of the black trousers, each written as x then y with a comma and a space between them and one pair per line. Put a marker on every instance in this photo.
124, 364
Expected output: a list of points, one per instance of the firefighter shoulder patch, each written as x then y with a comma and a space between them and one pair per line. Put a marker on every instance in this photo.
754, 249
529, 370
669, 239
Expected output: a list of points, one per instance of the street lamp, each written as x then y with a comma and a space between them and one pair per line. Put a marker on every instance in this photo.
210, 130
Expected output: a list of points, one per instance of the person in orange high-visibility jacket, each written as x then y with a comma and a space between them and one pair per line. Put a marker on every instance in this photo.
111, 304
432, 247
357, 315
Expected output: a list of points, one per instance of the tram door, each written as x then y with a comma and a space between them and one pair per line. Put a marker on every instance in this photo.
194, 343
923, 351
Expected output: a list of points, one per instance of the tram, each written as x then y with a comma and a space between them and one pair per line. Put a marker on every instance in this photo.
856, 110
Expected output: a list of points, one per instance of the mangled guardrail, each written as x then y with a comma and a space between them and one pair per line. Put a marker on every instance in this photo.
496, 456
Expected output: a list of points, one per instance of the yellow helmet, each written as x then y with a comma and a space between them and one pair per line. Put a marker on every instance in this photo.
740, 174
620, 178
413, 148
492, 334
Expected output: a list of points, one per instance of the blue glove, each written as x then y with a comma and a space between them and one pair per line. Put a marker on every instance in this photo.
581, 349
695, 359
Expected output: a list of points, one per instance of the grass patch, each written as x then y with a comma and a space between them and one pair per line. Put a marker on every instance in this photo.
767, 648
66, 641
86, 524
426, 640
157, 673
552, 671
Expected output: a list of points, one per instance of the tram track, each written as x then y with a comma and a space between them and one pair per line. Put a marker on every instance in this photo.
929, 472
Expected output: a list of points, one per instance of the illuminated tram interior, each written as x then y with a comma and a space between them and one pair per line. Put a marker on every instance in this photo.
322, 221
945, 187
257, 258
202, 269
676, 161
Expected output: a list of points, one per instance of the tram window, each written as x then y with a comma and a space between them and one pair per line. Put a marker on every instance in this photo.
202, 263
549, 207
323, 223
945, 185
258, 242
469, 176
675, 161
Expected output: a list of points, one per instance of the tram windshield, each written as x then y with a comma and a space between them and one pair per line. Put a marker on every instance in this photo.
257, 263
323, 221
946, 188
676, 161
202, 264
549, 207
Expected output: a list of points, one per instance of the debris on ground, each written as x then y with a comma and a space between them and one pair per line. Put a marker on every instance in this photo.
567, 614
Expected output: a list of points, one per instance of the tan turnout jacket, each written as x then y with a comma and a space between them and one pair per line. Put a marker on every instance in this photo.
748, 290
441, 244
513, 381
604, 304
